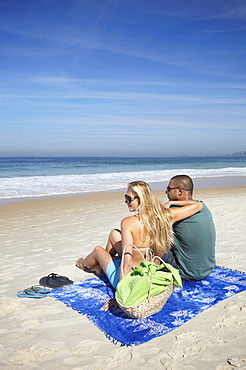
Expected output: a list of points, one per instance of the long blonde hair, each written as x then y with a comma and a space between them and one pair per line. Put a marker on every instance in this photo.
156, 220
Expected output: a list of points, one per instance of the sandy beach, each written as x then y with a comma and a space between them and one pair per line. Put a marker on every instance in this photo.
47, 235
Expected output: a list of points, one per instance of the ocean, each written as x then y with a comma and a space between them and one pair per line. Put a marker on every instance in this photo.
28, 177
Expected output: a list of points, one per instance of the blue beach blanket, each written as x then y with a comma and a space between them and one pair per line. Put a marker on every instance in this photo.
88, 296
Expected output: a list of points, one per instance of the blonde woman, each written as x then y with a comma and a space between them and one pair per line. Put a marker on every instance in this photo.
149, 227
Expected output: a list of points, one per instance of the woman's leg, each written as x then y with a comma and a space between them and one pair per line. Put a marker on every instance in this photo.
98, 256
113, 246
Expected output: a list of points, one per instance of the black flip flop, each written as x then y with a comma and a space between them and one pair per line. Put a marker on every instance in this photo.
55, 281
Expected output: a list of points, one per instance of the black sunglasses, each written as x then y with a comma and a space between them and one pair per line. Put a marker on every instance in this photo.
169, 189
177, 187
128, 199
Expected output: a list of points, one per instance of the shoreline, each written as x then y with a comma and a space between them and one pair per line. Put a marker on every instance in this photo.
199, 183
117, 196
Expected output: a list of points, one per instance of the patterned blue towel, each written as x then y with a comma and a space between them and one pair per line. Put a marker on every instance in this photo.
88, 296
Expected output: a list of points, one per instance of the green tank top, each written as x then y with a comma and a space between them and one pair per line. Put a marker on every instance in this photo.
194, 245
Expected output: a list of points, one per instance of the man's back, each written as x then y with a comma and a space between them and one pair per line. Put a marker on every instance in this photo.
194, 245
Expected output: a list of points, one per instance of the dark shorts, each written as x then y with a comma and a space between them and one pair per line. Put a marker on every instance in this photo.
170, 258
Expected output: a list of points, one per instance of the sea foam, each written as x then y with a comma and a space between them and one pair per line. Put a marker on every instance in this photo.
38, 186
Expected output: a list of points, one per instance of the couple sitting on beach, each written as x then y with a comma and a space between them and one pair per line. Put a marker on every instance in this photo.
181, 232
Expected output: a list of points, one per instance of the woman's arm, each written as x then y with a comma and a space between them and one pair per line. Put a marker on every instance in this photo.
186, 208
127, 238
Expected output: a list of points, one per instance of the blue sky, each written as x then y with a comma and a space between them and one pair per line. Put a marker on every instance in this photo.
122, 77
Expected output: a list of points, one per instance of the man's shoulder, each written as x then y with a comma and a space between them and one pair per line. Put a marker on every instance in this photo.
205, 207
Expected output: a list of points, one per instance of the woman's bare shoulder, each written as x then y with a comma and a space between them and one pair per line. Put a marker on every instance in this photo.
130, 220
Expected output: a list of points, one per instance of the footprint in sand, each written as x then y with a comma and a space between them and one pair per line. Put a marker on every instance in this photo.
233, 363
34, 353
9, 306
86, 346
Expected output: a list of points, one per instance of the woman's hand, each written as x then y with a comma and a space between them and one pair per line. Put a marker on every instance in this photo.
111, 303
167, 205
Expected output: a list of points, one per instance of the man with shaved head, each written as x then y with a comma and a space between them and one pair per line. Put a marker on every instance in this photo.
193, 249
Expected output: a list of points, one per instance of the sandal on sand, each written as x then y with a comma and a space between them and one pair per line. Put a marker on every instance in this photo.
55, 281
29, 293
39, 289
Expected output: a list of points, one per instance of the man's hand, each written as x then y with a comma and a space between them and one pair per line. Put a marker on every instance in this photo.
111, 303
